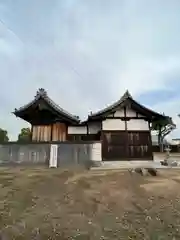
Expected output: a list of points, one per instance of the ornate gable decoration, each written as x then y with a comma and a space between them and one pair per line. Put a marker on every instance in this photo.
41, 93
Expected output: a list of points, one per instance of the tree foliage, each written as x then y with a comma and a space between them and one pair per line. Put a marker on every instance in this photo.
163, 127
3, 135
25, 135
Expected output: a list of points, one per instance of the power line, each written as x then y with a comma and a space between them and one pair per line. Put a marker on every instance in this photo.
9, 29
74, 70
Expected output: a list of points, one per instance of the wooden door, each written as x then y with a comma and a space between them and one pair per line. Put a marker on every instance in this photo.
114, 145
139, 145
125, 145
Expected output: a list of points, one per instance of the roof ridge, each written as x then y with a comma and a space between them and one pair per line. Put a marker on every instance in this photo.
125, 96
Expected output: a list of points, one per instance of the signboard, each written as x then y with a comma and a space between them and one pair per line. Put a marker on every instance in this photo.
53, 156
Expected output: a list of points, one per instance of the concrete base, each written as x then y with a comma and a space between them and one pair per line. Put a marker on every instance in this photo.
156, 163
124, 164
112, 165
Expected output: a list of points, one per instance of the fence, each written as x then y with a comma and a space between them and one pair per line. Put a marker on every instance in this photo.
40, 153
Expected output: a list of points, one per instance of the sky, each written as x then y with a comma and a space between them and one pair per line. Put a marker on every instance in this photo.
86, 53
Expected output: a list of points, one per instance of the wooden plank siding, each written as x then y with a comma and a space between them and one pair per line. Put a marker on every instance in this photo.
41, 133
46, 133
59, 132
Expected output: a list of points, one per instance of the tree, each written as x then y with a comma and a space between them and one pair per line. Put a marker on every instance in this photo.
163, 128
25, 135
3, 135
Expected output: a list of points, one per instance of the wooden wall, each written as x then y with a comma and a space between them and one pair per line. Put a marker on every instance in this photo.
41, 133
45, 133
59, 132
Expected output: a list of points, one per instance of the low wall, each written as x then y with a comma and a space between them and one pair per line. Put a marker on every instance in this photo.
70, 154
157, 156
63, 153
174, 149
161, 156
24, 153
54, 154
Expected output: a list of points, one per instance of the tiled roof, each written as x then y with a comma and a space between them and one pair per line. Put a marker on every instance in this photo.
41, 93
126, 96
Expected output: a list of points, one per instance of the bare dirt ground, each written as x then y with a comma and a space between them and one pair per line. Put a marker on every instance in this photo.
58, 204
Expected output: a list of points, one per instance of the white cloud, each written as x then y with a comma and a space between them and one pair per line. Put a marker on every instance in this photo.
141, 75
87, 53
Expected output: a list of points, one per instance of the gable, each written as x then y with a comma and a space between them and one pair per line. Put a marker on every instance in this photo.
130, 112
125, 112
126, 101
119, 113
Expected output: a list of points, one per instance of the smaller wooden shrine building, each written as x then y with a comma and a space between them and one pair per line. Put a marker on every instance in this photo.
48, 120
123, 128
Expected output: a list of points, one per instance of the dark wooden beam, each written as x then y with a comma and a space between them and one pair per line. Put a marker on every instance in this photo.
51, 132
83, 137
125, 118
128, 118
149, 125
87, 128
31, 132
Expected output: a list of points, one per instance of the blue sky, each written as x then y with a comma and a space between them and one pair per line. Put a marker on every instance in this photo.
87, 53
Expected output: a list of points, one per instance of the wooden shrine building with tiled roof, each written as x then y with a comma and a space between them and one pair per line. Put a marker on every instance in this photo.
123, 129
48, 120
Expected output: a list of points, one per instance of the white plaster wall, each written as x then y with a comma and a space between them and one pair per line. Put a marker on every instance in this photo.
96, 152
130, 112
94, 128
137, 124
119, 113
77, 130
113, 124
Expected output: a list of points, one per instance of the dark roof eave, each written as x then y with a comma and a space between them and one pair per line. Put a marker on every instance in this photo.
42, 94
16, 113
71, 121
99, 117
99, 114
